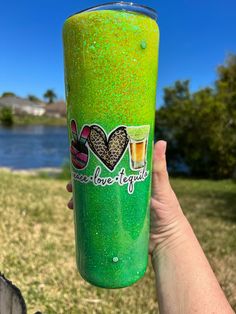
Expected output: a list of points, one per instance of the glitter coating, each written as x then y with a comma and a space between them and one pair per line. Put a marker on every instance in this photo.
110, 79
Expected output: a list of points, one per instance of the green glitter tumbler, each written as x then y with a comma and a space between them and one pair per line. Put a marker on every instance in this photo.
111, 60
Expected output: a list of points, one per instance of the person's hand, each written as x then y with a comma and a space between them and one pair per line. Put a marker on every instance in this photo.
166, 218
167, 221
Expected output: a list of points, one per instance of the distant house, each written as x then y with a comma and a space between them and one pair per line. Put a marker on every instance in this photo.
22, 106
56, 110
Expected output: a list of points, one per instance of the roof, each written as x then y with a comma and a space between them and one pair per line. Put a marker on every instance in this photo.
15, 101
56, 107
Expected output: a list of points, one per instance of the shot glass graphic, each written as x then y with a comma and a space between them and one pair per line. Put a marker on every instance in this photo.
138, 140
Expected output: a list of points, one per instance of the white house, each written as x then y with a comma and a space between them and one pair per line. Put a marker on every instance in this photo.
20, 105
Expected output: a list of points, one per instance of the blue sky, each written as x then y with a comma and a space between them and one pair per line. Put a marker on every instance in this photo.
196, 36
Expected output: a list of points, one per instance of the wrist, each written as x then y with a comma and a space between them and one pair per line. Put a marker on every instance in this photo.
171, 237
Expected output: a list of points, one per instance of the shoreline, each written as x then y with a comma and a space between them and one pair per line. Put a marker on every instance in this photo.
36, 120
33, 171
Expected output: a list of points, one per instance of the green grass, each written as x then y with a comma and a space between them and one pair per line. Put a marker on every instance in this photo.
35, 120
37, 245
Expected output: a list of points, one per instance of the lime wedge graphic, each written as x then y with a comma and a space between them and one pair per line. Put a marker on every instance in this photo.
138, 133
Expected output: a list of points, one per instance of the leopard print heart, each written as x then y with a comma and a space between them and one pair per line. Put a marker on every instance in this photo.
108, 150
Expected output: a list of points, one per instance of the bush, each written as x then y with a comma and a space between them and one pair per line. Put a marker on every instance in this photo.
65, 171
6, 116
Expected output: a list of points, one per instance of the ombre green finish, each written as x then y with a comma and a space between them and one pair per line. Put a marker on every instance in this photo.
110, 78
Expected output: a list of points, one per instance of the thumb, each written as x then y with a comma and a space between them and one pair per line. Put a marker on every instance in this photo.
160, 177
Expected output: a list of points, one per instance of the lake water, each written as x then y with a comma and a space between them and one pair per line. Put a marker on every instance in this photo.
24, 147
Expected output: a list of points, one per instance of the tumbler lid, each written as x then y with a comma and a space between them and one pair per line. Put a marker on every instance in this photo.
124, 6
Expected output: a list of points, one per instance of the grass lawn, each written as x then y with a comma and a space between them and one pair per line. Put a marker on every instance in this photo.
37, 245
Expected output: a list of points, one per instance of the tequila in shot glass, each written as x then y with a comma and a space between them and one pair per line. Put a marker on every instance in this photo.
138, 140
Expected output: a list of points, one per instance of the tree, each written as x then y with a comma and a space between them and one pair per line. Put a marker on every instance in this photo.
201, 127
226, 93
7, 94
33, 98
50, 95
176, 94
168, 117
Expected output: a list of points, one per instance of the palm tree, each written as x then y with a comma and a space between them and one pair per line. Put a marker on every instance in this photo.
50, 95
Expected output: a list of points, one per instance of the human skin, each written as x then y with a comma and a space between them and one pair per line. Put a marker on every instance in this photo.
185, 281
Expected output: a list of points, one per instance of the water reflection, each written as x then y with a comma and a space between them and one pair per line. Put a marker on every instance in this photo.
24, 147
